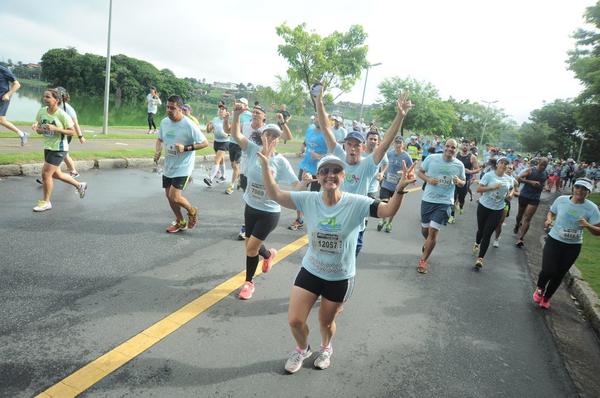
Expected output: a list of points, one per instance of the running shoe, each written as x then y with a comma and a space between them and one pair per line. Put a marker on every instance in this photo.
42, 206
297, 357
422, 267
192, 218
296, 225
545, 303
208, 182
24, 138
176, 227
496, 243
229, 189
380, 225
246, 291
39, 181
479, 263
242, 234
74, 173
268, 262
388, 227
520, 243
323, 360
475, 248
221, 179
538, 296
451, 220
81, 190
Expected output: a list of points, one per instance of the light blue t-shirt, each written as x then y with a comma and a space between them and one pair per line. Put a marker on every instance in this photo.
332, 232
494, 200
315, 142
374, 187
394, 172
358, 176
566, 228
219, 131
281, 169
340, 134
436, 167
183, 132
245, 128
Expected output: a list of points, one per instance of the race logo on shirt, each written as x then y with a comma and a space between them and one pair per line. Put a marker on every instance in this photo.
329, 224
352, 179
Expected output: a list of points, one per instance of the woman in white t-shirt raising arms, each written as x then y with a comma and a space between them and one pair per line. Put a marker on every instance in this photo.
333, 219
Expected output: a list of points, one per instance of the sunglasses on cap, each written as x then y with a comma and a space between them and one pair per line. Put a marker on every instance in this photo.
326, 170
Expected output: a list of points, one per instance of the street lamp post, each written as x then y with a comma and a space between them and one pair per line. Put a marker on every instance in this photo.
581, 135
489, 104
107, 79
362, 102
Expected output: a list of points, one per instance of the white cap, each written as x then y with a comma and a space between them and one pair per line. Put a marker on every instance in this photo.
584, 182
330, 159
243, 101
271, 127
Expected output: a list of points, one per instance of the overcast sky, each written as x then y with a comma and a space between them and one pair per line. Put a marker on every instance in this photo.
510, 51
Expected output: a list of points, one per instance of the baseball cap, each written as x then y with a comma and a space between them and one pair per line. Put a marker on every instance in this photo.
243, 101
272, 128
356, 135
584, 182
260, 108
503, 159
398, 139
413, 137
330, 159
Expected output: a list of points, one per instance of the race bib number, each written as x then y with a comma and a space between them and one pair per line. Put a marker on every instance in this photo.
498, 195
171, 150
327, 242
392, 178
257, 191
445, 180
570, 234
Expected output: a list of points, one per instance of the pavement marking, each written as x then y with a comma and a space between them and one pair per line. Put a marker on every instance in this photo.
84, 378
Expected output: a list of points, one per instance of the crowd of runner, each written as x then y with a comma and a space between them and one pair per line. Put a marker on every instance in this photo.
346, 175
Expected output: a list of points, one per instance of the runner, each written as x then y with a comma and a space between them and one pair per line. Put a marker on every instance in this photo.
471, 168
495, 187
360, 172
529, 197
397, 157
55, 125
315, 148
373, 141
506, 212
333, 221
153, 100
235, 152
220, 127
261, 214
441, 173
181, 138
187, 112
339, 130
65, 98
567, 218
8, 86
413, 148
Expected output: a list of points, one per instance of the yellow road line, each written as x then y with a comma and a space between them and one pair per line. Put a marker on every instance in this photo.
93, 372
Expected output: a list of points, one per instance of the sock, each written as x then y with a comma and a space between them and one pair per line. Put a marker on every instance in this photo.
21, 134
251, 264
222, 169
264, 252
326, 348
213, 172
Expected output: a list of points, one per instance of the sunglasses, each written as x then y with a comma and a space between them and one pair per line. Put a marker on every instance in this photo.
326, 170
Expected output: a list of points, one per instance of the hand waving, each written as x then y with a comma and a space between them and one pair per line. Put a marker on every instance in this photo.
404, 104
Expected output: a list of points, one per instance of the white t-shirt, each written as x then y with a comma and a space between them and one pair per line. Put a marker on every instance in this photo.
153, 103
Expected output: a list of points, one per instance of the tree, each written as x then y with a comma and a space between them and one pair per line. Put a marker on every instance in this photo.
429, 114
474, 118
535, 137
336, 60
560, 117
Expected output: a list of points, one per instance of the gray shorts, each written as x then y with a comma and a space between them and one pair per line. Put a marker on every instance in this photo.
54, 158
434, 215
4, 107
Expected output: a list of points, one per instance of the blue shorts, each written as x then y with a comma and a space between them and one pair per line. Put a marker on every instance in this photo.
4, 107
434, 215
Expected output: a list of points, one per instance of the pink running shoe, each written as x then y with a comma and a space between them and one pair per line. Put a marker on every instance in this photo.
545, 303
247, 291
268, 262
537, 296
422, 268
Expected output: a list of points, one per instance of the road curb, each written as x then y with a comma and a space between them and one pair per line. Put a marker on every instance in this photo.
586, 296
35, 169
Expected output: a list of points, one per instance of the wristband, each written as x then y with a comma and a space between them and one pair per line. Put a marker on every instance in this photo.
189, 148
80, 136
402, 192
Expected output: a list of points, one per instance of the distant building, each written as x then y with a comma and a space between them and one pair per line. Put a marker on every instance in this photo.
225, 86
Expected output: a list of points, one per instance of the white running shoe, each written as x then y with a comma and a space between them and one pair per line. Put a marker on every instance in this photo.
496, 243
294, 362
475, 248
81, 190
323, 360
42, 206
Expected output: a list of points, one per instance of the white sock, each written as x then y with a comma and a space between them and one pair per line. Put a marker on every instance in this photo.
213, 171
21, 133
222, 169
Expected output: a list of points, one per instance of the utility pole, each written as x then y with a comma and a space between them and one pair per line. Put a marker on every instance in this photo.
107, 80
362, 102
487, 114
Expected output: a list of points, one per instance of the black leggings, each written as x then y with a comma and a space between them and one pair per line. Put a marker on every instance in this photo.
151, 125
460, 193
487, 221
557, 258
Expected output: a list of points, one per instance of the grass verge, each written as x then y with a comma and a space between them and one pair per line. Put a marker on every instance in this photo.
588, 262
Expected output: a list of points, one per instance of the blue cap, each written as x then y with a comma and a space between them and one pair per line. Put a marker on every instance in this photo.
356, 135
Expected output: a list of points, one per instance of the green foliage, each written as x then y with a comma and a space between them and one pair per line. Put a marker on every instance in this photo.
558, 120
336, 60
429, 114
535, 137
130, 77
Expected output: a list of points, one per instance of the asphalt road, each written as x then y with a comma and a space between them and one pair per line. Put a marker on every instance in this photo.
81, 279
